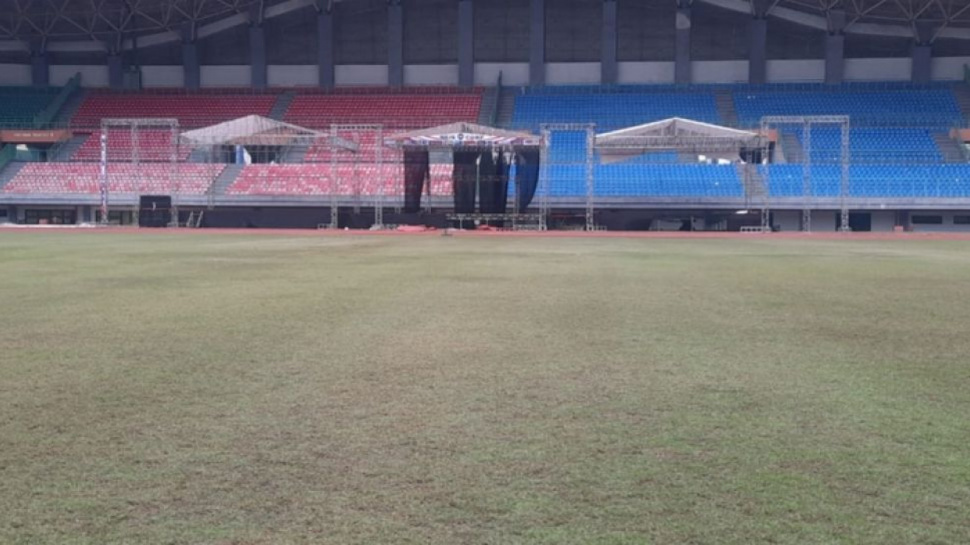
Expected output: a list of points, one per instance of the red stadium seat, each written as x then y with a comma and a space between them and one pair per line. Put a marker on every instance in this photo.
314, 179
126, 178
192, 110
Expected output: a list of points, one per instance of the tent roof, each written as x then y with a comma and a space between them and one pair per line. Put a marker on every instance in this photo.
462, 134
676, 134
255, 130
679, 126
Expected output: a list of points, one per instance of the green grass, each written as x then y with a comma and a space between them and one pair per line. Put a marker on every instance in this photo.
164, 388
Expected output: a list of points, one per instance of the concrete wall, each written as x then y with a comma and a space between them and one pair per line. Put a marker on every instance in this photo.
431, 74
719, 71
883, 220
360, 74
225, 76
162, 76
878, 69
824, 220
645, 72
948, 68
798, 70
564, 73
292, 76
91, 75
787, 220
15, 74
513, 73
947, 227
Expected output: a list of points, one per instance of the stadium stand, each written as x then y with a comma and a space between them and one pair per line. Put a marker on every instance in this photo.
192, 110
872, 144
19, 105
889, 181
393, 110
887, 104
153, 146
890, 158
314, 180
127, 178
612, 107
652, 175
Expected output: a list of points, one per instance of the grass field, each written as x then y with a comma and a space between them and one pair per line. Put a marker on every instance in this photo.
167, 388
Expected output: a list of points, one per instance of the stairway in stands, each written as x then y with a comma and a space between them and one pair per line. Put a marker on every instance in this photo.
792, 148
65, 150
961, 92
724, 100
64, 115
8, 172
506, 106
949, 148
754, 183
225, 179
486, 114
282, 105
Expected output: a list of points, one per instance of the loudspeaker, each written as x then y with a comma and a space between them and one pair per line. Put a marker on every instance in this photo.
154, 211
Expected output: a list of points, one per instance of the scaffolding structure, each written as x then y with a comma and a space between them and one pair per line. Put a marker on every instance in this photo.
281, 159
445, 140
806, 123
548, 130
366, 140
135, 127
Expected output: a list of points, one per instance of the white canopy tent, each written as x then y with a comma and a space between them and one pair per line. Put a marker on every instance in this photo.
255, 130
454, 135
676, 135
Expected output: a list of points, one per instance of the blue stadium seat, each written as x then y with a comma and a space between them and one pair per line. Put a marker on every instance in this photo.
929, 107
651, 175
610, 110
872, 144
873, 180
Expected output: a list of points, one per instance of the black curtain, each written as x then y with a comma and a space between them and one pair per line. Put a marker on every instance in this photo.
463, 181
526, 176
495, 187
486, 182
416, 169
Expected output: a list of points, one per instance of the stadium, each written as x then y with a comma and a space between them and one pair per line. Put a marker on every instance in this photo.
484, 271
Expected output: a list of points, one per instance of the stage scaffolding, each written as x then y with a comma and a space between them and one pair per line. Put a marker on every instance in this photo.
806, 123
447, 140
279, 160
549, 169
366, 164
161, 146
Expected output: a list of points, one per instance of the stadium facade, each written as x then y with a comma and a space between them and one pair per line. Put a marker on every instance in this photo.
355, 72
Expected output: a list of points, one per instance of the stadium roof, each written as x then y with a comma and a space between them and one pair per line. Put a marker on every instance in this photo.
93, 25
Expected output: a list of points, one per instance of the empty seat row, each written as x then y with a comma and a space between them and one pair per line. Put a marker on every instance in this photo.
390, 110
126, 178
869, 144
316, 179
924, 107
191, 110
871, 181
147, 145
610, 111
